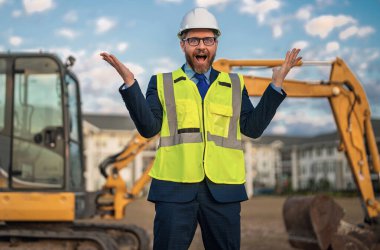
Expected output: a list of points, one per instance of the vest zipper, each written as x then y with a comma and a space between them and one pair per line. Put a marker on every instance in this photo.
204, 136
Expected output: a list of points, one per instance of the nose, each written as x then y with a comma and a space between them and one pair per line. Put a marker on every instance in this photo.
201, 44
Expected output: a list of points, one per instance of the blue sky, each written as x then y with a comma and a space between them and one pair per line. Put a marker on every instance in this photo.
143, 35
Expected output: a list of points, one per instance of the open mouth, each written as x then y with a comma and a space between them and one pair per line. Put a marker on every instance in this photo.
201, 58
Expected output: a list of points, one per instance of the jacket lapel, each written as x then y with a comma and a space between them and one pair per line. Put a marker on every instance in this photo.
213, 75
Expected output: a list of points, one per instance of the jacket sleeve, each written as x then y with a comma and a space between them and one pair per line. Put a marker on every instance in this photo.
253, 121
145, 113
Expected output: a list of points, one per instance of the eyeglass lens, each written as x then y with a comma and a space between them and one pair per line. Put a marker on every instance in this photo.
194, 41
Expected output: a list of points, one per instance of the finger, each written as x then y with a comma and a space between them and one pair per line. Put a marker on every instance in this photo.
109, 60
293, 55
286, 61
298, 60
116, 61
105, 56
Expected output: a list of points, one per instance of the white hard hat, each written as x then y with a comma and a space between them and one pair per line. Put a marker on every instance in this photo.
199, 18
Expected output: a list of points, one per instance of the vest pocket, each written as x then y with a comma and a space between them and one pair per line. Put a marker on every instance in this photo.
187, 114
220, 116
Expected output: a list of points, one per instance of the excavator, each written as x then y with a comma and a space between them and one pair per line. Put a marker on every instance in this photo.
43, 203
317, 222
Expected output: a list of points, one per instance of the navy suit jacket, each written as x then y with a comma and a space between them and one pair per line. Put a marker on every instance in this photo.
147, 116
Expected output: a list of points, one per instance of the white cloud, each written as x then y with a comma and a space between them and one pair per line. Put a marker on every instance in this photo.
356, 31
99, 81
300, 44
208, 3
364, 31
332, 46
15, 40
260, 9
277, 31
309, 114
70, 17
163, 65
2, 2
279, 129
350, 31
322, 26
103, 24
32, 6
122, 46
67, 33
135, 68
16, 13
106, 104
304, 13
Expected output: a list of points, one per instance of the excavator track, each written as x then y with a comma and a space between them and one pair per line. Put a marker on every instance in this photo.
80, 235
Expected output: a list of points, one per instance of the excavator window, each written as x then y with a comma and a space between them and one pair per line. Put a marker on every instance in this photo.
4, 140
2, 93
76, 164
38, 139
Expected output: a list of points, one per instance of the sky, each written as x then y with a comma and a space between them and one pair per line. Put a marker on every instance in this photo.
142, 34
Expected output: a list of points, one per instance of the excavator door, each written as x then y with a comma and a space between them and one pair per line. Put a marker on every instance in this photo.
35, 124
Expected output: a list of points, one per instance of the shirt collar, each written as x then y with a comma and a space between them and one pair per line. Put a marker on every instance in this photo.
190, 73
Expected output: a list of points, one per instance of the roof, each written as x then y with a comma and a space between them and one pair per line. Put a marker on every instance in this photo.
110, 122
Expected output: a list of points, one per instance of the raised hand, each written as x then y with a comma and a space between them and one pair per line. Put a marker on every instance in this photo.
123, 71
279, 73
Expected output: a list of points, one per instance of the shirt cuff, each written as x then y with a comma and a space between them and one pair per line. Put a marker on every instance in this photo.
278, 89
125, 86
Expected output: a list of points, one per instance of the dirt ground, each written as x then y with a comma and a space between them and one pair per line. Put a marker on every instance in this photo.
262, 227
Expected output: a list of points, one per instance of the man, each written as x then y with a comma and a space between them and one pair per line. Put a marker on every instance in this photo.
199, 174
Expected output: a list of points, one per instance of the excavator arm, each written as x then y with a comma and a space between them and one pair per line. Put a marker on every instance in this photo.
114, 196
349, 106
316, 223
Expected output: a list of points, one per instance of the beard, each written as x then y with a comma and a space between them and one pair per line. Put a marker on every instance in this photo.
202, 66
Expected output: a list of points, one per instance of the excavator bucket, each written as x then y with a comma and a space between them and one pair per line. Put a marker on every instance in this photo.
311, 222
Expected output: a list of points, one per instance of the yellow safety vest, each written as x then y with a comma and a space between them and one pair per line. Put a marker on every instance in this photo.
200, 138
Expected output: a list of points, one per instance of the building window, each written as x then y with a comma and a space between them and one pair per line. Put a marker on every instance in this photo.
318, 151
330, 150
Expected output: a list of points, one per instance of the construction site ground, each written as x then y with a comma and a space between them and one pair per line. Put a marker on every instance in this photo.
262, 227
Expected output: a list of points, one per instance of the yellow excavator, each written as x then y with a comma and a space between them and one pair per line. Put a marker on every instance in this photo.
317, 222
43, 203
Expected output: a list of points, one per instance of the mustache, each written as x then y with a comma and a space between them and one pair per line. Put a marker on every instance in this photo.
201, 52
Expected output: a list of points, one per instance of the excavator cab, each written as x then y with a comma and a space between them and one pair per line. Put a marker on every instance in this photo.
40, 131
43, 202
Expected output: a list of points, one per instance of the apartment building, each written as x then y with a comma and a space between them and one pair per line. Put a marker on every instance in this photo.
303, 162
